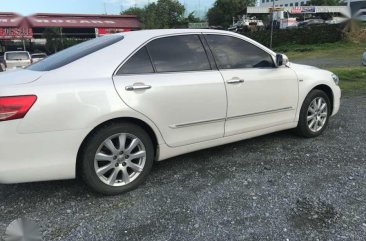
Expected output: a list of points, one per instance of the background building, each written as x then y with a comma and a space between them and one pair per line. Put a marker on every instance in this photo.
355, 4
15, 28
282, 3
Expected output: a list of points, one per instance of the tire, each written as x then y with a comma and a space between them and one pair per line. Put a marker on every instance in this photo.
321, 117
118, 171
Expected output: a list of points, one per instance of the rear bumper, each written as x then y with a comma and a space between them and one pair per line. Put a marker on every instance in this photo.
37, 156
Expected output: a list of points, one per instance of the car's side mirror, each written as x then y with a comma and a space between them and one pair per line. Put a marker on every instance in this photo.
281, 59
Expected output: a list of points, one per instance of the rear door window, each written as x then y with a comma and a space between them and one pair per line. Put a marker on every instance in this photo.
178, 53
74, 53
139, 63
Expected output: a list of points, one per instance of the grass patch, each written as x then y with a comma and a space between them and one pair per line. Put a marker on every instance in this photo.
338, 50
352, 79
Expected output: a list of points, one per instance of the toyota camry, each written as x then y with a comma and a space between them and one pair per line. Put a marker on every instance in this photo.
106, 109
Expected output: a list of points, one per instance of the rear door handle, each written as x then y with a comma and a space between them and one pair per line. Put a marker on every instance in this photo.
235, 81
138, 87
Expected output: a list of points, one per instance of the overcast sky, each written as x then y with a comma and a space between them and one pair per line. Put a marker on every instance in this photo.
26, 7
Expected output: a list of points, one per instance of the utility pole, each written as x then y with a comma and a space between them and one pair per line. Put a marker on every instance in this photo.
270, 44
199, 7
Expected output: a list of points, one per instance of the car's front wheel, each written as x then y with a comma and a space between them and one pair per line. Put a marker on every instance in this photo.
314, 114
117, 158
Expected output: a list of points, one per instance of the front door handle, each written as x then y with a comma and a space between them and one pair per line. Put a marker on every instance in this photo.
235, 81
138, 87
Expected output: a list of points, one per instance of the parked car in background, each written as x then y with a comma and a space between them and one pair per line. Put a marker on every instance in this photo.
38, 57
247, 24
336, 20
17, 59
361, 15
107, 108
2, 65
310, 22
364, 58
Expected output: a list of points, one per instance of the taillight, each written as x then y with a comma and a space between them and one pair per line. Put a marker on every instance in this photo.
15, 107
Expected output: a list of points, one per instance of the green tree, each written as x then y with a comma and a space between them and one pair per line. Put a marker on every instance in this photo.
139, 12
223, 11
324, 2
170, 13
53, 39
191, 18
162, 14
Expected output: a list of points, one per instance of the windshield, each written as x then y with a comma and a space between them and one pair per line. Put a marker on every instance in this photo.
74, 53
17, 56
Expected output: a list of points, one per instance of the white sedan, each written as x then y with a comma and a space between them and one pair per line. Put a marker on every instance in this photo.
105, 109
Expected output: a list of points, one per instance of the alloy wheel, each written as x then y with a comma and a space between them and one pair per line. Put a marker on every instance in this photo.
317, 114
120, 159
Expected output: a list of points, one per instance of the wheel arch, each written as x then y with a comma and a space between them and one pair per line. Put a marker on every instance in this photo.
132, 120
328, 91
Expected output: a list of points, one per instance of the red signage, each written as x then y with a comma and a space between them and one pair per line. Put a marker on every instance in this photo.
16, 33
104, 31
83, 21
303, 9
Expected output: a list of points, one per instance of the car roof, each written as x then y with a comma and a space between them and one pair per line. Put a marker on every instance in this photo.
146, 35
16, 52
160, 32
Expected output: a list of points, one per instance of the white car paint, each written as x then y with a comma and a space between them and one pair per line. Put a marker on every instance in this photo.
76, 98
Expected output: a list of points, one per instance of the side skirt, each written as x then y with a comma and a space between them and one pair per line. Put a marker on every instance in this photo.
166, 152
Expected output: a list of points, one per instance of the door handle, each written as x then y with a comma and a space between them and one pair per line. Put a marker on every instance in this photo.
138, 87
235, 81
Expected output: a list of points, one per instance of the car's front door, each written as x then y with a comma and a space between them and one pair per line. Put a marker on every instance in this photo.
170, 80
260, 95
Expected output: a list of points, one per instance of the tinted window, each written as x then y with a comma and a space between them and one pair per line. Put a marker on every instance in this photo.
178, 53
138, 64
39, 56
234, 53
74, 53
17, 56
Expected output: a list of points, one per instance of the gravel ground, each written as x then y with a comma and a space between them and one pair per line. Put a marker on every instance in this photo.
275, 187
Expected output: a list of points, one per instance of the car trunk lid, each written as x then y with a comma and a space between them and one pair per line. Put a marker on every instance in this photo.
17, 77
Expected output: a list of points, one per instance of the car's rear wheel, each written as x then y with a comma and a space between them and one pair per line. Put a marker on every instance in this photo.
117, 158
314, 114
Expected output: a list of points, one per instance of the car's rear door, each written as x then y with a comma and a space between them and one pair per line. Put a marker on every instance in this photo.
260, 95
170, 80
